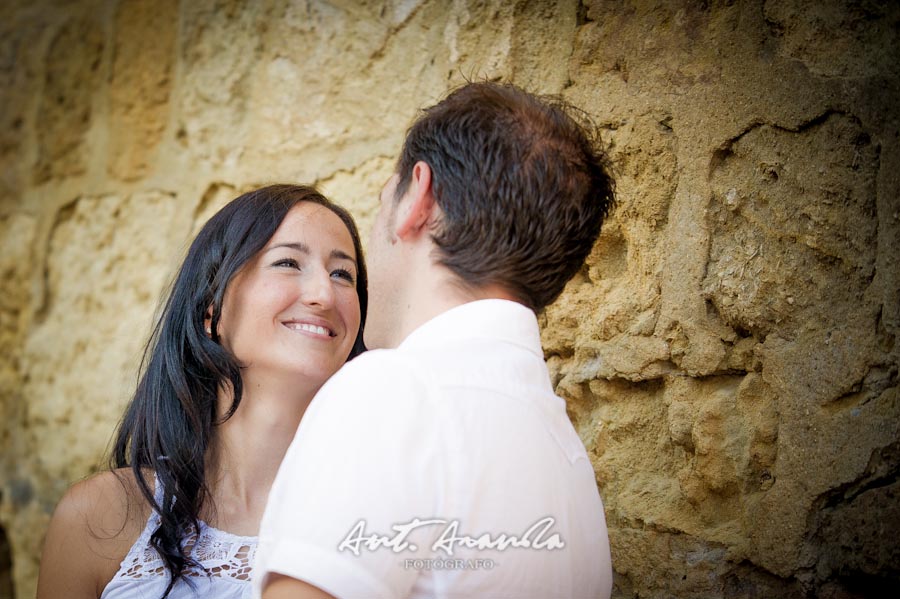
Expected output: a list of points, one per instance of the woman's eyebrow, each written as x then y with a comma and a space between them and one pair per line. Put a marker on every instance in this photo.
297, 245
342, 256
302, 247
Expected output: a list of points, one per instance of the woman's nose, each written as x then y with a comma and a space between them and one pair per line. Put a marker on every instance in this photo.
318, 289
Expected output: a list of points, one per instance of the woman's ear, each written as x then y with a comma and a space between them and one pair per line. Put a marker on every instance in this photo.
421, 205
207, 322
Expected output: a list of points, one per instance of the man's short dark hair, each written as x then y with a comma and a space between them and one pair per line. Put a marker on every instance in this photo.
521, 181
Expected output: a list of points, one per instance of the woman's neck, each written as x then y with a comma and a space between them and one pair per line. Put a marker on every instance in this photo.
246, 451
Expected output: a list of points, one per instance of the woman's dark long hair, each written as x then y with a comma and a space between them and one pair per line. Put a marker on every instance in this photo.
169, 423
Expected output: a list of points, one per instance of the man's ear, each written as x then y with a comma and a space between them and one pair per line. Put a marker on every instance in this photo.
415, 218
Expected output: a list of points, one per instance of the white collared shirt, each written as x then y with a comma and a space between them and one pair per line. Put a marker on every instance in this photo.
459, 428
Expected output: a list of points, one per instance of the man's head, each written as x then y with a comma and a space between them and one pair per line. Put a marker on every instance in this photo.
503, 190
521, 183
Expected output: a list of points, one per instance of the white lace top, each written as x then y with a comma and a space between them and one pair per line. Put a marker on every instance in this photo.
227, 558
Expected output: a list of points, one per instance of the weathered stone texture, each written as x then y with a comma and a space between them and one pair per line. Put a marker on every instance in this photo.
88, 332
218, 46
806, 228
142, 76
777, 305
72, 74
17, 234
728, 353
868, 43
101, 274
17, 82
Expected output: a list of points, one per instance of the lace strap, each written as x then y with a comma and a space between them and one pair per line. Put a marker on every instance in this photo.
223, 555
142, 560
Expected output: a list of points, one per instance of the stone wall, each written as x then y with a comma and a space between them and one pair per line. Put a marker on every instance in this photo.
728, 353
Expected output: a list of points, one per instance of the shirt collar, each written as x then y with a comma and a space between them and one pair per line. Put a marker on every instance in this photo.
495, 319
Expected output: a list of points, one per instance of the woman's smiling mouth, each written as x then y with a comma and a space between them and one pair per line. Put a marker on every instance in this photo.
309, 327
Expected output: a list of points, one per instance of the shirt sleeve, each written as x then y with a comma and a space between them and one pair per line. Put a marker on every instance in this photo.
352, 498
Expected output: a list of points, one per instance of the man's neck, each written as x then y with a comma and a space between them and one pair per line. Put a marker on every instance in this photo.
432, 296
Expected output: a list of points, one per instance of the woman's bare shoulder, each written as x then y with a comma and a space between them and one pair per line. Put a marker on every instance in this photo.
108, 504
92, 529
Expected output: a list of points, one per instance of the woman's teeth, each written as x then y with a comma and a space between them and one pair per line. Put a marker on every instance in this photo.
297, 326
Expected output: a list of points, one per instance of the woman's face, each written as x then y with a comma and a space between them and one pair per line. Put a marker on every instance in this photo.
293, 308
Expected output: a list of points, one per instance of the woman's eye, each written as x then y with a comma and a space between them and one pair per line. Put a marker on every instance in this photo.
343, 274
287, 262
